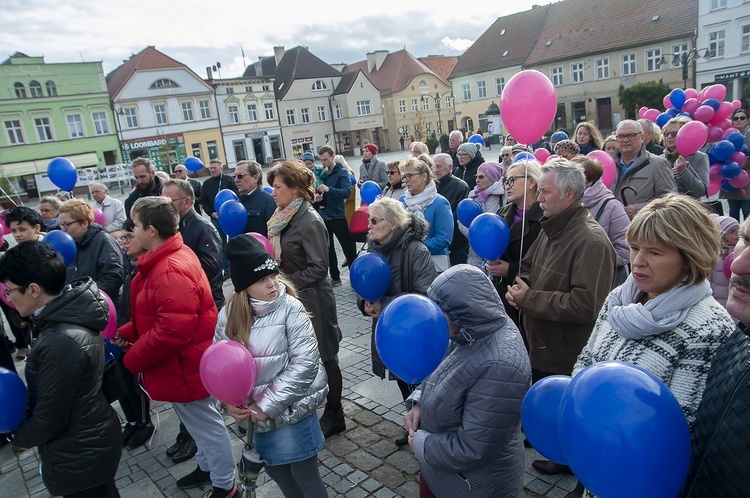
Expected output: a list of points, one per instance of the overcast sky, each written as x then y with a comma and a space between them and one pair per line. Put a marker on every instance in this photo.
199, 33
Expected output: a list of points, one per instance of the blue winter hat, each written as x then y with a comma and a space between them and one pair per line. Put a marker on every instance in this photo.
559, 135
308, 156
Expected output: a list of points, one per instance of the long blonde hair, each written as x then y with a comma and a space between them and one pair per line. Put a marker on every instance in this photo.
240, 315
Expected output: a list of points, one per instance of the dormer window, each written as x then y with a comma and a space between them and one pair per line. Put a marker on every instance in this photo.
319, 85
423, 83
163, 83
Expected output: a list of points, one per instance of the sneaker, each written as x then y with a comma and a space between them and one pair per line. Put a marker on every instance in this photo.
187, 451
177, 444
141, 435
127, 433
221, 493
332, 422
194, 479
336, 282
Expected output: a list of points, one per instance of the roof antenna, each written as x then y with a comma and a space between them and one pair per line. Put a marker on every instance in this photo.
82, 59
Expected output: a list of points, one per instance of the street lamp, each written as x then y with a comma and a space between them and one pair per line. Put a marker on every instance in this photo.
684, 58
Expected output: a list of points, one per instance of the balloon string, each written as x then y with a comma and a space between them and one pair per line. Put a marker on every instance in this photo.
12, 187
9, 197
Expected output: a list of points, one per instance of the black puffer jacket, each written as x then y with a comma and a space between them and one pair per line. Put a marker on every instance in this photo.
469, 174
469, 440
412, 270
77, 432
721, 435
98, 256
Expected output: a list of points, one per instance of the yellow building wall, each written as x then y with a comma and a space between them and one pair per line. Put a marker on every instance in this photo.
203, 137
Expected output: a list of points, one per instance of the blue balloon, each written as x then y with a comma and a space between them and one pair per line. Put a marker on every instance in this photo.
402, 199
662, 119
370, 191
539, 416
686, 114
268, 189
476, 139
723, 150
223, 196
467, 210
711, 157
112, 348
62, 173
13, 400
617, 421
193, 164
713, 103
677, 98
232, 218
489, 236
744, 149
352, 179
411, 337
63, 244
370, 276
524, 156
672, 112
737, 139
730, 170
725, 186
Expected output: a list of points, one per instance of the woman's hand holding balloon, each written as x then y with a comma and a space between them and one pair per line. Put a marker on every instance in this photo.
237, 413
256, 413
680, 166
412, 418
498, 268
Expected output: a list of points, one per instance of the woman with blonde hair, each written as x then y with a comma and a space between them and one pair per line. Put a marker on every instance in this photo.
587, 137
395, 187
264, 315
418, 148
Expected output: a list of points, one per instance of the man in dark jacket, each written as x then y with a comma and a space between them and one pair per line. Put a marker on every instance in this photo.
335, 190
97, 256
258, 203
198, 234
76, 430
181, 173
648, 138
721, 440
146, 182
469, 160
218, 181
455, 190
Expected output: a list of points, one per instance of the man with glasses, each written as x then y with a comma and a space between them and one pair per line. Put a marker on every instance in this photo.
455, 190
641, 175
218, 181
114, 211
258, 203
181, 173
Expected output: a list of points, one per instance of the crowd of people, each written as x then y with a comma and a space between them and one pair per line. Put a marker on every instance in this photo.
644, 271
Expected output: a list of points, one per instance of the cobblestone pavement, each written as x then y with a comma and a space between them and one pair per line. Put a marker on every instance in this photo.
362, 461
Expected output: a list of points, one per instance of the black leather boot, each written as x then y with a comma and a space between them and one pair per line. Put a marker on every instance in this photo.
332, 422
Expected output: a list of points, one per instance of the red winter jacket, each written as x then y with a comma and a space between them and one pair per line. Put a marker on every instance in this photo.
173, 318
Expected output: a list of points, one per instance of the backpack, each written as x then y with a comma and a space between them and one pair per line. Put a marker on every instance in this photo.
358, 223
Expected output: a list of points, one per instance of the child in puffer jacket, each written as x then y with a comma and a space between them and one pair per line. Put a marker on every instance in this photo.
719, 279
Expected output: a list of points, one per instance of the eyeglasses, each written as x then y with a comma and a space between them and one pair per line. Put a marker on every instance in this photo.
669, 133
389, 173
407, 176
240, 176
178, 199
375, 221
627, 138
66, 224
511, 180
506, 155
8, 290
180, 171
739, 118
462, 153
125, 239
480, 177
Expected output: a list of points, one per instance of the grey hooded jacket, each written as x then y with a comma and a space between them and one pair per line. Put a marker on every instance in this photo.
469, 440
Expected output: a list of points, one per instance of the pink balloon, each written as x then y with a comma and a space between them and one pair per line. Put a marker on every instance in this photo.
739, 157
111, 327
691, 137
3, 298
743, 193
610, 169
702, 95
98, 216
728, 132
642, 111
714, 134
528, 105
691, 93
228, 372
651, 115
728, 265
714, 173
724, 125
717, 92
740, 181
725, 110
736, 104
704, 113
667, 102
542, 154
552, 158
266, 243
691, 105
3, 229
713, 187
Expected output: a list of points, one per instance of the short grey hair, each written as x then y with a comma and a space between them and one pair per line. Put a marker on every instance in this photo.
444, 159
100, 185
183, 185
569, 175
393, 212
506, 148
455, 133
631, 122
52, 201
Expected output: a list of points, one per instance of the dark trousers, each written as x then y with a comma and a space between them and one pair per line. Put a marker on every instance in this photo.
104, 491
224, 239
735, 206
134, 402
339, 228
21, 334
6, 360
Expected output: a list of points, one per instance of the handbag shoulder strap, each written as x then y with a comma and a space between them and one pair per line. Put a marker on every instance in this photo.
601, 209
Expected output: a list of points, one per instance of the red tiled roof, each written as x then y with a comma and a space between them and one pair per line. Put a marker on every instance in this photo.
148, 58
583, 27
398, 69
506, 43
441, 65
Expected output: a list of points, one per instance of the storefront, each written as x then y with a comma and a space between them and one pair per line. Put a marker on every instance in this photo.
163, 151
737, 83
262, 146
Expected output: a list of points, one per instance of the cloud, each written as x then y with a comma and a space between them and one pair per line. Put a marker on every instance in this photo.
456, 44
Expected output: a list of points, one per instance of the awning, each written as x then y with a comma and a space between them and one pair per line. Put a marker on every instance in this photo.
40, 166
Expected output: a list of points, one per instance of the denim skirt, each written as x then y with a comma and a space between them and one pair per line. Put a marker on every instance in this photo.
292, 443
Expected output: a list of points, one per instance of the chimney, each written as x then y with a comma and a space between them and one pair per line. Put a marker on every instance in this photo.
375, 60
209, 74
278, 53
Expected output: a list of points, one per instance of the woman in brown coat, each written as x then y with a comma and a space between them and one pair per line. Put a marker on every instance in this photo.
300, 242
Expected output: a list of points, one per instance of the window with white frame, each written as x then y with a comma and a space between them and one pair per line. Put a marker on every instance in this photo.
43, 129
718, 4
268, 109
628, 64
556, 73
448, 101
234, 115
576, 72
679, 48
466, 91
205, 108
100, 123
160, 111
164, 83
745, 38
364, 108
131, 119
402, 106
653, 60
406, 129
481, 89
291, 117
51, 89
20, 90
15, 134
428, 127
602, 68
187, 111
340, 114
75, 125
716, 41
252, 113
266, 88
499, 86
304, 115
414, 105
425, 103
230, 90
248, 89
36, 89
322, 113
319, 85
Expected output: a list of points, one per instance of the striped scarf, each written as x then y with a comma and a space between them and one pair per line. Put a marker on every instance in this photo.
278, 222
